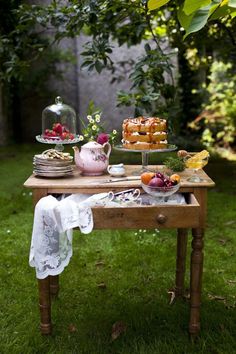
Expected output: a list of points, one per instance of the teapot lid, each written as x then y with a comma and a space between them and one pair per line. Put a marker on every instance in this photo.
92, 145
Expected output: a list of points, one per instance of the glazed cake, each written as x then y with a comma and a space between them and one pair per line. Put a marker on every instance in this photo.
144, 133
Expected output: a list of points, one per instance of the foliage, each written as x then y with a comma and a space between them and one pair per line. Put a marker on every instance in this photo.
123, 22
152, 23
175, 164
217, 122
194, 15
151, 92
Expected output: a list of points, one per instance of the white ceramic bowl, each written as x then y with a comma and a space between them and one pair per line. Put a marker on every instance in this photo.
160, 191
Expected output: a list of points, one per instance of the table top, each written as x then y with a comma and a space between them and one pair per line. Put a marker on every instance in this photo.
81, 183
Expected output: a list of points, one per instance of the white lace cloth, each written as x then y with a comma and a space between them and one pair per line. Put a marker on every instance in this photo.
54, 220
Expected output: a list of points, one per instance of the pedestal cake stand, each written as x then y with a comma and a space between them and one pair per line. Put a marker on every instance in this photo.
145, 155
59, 142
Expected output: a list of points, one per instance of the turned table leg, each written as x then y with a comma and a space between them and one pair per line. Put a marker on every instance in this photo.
182, 238
45, 305
54, 285
196, 281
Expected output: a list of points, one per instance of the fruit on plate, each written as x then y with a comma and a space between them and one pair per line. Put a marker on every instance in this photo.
147, 176
58, 131
158, 179
175, 177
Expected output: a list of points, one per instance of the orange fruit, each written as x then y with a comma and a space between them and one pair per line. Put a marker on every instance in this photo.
175, 178
147, 176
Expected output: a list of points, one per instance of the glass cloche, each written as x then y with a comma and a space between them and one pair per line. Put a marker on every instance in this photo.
58, 125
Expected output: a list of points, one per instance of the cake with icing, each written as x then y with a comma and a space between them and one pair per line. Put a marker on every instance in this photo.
144, 133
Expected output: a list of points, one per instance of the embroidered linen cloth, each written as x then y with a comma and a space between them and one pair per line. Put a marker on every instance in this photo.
54, 220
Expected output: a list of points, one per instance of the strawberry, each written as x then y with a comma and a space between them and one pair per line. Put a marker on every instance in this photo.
65, 129
58, 128
64, 136
47, 132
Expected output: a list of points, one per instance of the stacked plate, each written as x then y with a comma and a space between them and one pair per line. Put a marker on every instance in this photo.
52, 163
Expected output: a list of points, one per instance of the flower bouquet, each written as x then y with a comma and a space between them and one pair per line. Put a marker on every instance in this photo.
94, 130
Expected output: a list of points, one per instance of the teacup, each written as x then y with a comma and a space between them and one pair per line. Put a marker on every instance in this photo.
116, 170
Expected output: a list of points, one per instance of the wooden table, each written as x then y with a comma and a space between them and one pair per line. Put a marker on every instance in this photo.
192, 215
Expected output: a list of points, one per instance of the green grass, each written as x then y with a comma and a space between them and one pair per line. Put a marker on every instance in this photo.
138, 269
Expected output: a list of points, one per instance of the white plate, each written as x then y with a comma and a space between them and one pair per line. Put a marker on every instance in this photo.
52, 168
53, 174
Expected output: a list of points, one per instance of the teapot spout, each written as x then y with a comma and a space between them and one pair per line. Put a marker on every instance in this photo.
75, 148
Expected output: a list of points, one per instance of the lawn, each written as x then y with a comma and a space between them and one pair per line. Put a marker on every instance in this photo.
136, 267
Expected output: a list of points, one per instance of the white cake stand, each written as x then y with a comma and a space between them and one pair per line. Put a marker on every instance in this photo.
145, 156
59, 142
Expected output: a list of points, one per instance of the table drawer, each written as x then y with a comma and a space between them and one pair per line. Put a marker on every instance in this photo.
161, 216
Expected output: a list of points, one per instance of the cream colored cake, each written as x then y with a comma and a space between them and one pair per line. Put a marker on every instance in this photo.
144, 133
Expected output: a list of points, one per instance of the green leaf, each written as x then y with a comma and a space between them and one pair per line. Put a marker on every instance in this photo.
98, 66
198, 21
233, 14
155, 4
220, 11
191, 6
184, 20
232, 3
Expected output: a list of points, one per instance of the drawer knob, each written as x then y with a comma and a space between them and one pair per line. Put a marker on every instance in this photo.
161, 219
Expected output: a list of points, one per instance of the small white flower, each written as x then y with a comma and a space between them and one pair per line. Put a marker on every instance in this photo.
97, 119
91, 120
8, 231
94, 127
97, 116
182, 29
114, 131
89, 117
81, 138
176, 50
136, 233
23, 193
174, 30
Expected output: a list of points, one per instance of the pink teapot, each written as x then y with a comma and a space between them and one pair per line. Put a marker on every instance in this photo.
92, 160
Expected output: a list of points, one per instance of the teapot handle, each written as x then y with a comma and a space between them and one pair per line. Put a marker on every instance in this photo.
108, 150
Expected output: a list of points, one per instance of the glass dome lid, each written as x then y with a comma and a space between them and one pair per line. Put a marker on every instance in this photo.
58, 121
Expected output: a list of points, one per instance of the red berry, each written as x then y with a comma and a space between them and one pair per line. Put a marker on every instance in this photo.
46, 132
64, 136
57, 127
